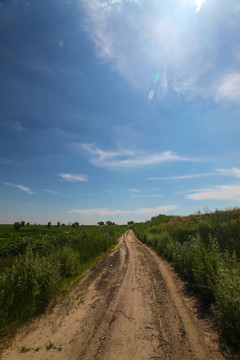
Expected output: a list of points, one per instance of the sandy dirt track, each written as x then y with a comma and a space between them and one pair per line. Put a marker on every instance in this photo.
131, 306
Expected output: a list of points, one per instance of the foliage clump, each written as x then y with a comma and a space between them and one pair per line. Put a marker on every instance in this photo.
205, 251
33, 266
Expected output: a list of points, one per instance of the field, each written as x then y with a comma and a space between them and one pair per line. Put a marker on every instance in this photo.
205, 251
36, 261
137, 304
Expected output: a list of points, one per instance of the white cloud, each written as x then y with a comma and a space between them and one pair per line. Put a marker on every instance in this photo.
5, 161
222, 192
100, 154
229, 87
15, 125
155, 32
107, 212
236, 8
134, 190
169, 38
234, 172
156, 211
182, 86
191, 176
21, 187
73, 177
147, 195
229, 172
51, 191
128, 159
100, 212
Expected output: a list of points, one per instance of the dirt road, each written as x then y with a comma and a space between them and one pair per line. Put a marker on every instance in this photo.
130, 306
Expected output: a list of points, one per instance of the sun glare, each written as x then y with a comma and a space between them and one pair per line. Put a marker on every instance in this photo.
198, 4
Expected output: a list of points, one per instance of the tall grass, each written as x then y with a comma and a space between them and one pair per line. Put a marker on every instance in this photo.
33, 267
205, 251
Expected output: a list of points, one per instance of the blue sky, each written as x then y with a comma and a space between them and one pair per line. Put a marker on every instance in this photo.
118, 109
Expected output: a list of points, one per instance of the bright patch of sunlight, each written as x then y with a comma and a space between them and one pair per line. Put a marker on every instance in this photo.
198, 4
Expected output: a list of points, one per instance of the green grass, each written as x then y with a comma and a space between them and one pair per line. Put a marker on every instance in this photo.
7, 230
205, 251
35, 264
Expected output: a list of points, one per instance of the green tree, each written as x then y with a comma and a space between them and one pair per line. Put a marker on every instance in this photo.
101, 223
130, 222
75, 224
58, 223
22, 223
49, 224
110, 222
17, 225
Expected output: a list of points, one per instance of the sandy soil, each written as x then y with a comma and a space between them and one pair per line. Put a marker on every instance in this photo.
130, 306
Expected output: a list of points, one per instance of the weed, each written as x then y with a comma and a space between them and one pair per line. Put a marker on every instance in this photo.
50, 346
24, 349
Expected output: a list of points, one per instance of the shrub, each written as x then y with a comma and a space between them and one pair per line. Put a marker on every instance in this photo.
17, 225
226, 309
69, 261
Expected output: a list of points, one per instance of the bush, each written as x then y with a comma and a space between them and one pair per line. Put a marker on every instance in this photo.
69, 261
226, 309
17, 225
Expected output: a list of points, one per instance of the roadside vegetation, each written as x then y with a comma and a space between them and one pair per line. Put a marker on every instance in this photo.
36, 260
205, 251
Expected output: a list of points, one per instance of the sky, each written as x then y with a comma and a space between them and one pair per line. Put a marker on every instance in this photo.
118, 110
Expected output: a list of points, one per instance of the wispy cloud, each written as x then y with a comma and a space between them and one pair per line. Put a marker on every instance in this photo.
222, 192
73, 177
107, 212
15, 125
33, 205
5, 160
172, 41
101, 154
100, 211
229, 87
21, 187
129, 159
147, 195
51, 69
52, 191
180, 177
234, 172
155, 211
134, 190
